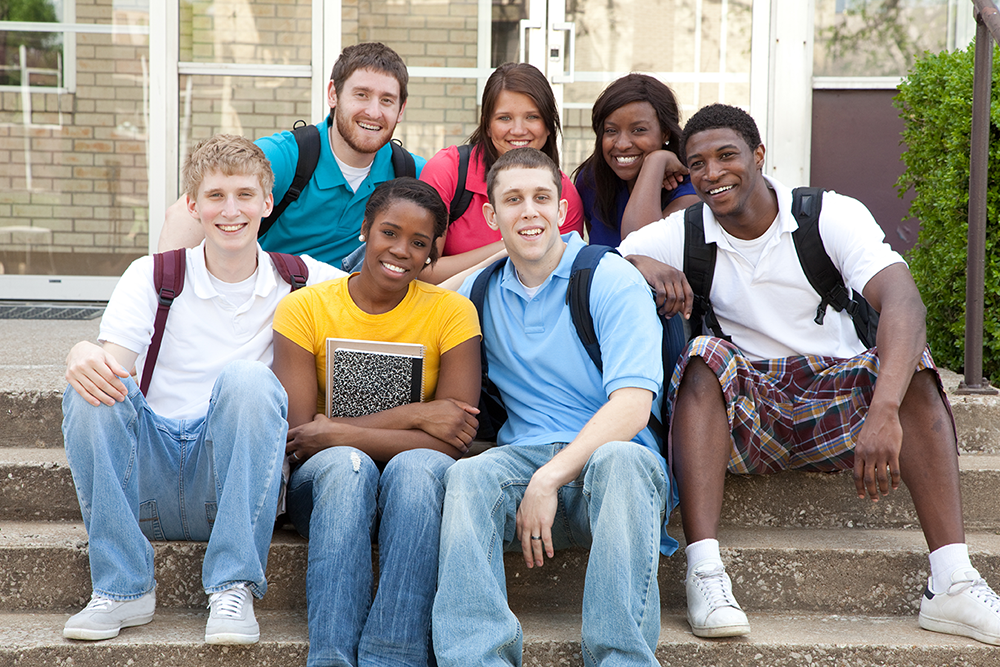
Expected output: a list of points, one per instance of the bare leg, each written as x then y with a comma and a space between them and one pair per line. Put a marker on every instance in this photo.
928, 462
701, 448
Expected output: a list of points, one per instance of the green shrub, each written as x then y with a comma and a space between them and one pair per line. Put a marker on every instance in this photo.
935, 102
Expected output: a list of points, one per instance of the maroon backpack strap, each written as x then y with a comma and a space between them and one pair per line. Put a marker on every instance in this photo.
291, 268
168, 280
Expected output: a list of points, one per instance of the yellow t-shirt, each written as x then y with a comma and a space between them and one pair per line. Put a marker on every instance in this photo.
437, 318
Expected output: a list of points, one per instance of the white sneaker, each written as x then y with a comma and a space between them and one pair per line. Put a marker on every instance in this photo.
969, 608
712, 609
103, 617
231, 620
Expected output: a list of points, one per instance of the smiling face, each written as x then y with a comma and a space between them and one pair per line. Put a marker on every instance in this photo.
528, 212
230, 209
400, 239
726, 174
365, 113
629, 134
516, 123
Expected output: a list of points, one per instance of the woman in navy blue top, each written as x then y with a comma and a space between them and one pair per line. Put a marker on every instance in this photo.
634, 176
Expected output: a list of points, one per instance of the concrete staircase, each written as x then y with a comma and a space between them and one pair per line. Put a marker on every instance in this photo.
826, 579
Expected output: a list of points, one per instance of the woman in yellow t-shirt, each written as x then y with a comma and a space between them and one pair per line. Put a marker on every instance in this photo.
378, 475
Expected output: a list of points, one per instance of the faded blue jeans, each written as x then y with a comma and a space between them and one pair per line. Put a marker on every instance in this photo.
615, 507
141, 477
339, 501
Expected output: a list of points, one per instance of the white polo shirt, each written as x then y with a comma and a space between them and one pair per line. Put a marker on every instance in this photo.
204, 332
769, 308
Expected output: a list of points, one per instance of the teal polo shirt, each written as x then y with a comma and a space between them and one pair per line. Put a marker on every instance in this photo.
325, 220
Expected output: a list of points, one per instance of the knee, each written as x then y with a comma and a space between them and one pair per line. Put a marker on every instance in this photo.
626, 463
252, 384
82, 421
417, 473
341, 471
470, 477
699, 382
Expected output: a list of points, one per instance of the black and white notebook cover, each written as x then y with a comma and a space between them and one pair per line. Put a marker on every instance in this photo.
368, 376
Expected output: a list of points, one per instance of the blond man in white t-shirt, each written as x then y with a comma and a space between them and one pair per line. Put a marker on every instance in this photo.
199, 457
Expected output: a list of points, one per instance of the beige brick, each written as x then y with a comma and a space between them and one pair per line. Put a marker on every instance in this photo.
74, 158
93, 146
73, 212
32, 211
73, 239
91, 199
49, 171
73, 185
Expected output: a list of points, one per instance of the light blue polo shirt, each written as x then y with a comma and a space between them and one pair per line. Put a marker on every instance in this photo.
549, 384
325, 220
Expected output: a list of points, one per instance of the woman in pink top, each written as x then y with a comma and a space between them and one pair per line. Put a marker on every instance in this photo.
518, 110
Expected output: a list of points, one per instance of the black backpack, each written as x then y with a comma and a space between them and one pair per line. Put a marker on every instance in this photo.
307, 139
699, 267
168, 281
493, 414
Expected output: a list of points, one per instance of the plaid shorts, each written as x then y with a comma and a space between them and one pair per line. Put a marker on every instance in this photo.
794, 413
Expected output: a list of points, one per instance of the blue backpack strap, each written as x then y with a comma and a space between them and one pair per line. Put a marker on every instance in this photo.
168, 281
462, 198
308, 142
291, 268
492, 412
578, 298
403, 163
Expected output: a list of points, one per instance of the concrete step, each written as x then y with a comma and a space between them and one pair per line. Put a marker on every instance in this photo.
43, 566
777, 640
38, 486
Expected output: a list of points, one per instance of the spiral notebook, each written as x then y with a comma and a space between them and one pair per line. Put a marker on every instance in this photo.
368, 376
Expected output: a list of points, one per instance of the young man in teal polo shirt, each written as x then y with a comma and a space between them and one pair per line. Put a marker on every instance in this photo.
575, 462
367, 96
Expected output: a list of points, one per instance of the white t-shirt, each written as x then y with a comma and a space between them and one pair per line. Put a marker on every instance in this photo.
768, 309
204, 330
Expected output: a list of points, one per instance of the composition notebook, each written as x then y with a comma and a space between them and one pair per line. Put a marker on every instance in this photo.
368, 376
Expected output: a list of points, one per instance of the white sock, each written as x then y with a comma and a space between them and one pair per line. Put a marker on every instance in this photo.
700, 551
945, 562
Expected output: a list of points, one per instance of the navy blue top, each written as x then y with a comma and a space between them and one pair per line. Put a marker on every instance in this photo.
601, 233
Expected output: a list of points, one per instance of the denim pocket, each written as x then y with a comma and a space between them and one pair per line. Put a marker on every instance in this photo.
210, 510
149, 521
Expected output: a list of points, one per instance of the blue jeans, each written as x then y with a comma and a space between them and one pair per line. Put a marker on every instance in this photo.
340, 502
615, 507
141, 477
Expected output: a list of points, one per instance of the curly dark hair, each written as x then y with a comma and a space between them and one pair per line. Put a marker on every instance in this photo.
715, 116
408, 189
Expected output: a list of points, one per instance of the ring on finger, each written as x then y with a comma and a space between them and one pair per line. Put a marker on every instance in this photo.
536, 537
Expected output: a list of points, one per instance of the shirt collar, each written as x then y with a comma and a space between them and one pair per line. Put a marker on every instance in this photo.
562, 271
264, 284
785, 221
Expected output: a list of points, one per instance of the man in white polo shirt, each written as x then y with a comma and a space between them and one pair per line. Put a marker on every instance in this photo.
199, 457
780, 384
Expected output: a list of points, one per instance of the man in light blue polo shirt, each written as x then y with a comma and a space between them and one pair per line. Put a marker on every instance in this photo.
367, 96
575, 464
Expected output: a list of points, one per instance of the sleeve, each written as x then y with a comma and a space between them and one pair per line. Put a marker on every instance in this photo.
459, 321
293, 319
441, 173
321, 271
283, 153
627, 327
685, 188
854, 240
662, 240
131, 311
574, 208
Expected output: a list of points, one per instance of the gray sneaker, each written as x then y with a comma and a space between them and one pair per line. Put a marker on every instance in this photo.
103, 617
231, 620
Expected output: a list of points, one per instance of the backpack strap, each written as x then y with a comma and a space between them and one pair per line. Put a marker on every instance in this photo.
820, 271
291, 268
581, 279
492, 411
462, 198
168, 280
403, 163
699, 268
308, 142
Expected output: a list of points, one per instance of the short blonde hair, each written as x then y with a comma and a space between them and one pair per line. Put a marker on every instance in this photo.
227, 154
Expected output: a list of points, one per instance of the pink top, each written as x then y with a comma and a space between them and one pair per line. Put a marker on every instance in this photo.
471, 231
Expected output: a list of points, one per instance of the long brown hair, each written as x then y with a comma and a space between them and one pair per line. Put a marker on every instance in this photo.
527, 80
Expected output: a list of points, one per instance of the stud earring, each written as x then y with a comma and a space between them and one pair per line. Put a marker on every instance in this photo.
361, 237
427, 261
